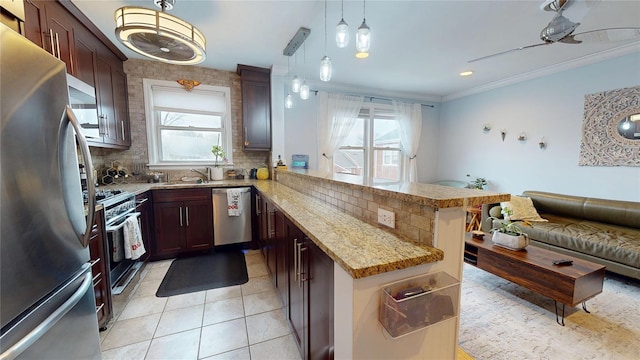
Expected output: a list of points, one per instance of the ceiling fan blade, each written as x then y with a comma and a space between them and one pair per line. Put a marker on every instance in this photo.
606, 35
508, 51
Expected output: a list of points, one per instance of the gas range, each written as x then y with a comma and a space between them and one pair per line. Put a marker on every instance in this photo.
108, 196
117, 203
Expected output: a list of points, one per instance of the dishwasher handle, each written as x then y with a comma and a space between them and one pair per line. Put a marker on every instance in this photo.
224, 190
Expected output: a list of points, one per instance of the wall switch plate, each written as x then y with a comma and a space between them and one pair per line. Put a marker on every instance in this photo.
387, 218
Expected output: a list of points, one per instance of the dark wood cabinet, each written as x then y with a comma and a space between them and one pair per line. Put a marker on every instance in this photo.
50, 26
144, 206
256, 107
320, 313
85, 50
34, 28
298, 290
58, 39
281, 245
270, 242
98, 260
183, 222
303, 276
60, 28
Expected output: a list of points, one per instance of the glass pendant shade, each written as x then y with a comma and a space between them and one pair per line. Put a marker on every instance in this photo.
295, 84
363, 40
288, 101
304, 91
325, 69
342, 34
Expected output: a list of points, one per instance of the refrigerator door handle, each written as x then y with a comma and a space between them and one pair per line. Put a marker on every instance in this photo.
91, 188
35, 334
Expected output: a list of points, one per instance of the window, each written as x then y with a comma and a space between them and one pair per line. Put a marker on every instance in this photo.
183, 126
372, 149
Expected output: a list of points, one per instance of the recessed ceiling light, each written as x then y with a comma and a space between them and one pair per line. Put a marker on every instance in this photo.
466, 73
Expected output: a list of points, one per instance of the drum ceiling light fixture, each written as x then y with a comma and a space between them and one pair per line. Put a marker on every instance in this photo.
160, 36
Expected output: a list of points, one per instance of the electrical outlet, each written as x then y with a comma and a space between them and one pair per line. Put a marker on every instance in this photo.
387, 218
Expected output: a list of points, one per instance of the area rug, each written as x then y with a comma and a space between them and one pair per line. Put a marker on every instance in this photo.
501, 320
204, 272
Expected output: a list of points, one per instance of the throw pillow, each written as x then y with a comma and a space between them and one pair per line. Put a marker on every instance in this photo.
522, 208
496, 212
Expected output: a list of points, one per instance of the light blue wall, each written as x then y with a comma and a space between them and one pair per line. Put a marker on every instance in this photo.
453, 144
550, 106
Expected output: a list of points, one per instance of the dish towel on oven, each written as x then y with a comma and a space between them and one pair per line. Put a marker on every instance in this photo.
234, 205
133, 246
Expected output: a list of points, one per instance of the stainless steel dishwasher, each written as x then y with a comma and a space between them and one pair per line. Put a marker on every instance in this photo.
231, 229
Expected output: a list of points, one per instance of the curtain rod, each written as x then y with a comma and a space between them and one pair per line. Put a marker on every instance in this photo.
315, 92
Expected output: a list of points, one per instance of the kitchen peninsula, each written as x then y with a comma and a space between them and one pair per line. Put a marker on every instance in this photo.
428, 238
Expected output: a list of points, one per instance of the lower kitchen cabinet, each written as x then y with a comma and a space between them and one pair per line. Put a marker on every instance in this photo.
144, 206
311, 298
183, 221
303, 276
320, 313
100, 272
270, 241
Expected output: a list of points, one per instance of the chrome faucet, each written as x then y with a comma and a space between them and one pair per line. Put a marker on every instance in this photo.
207, 176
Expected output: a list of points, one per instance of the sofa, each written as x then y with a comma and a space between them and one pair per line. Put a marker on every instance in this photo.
603, 231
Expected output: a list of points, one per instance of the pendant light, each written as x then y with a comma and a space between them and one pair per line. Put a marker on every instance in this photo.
325, 63
160, 36
295, 82
342, 31
363, 36
304, 89
288, 101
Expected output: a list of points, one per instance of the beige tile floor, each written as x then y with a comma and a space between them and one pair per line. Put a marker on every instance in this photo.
237, 322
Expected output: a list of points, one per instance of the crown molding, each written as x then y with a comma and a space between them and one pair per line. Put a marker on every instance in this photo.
549, 70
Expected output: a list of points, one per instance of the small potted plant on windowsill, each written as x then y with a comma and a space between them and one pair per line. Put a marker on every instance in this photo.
508, 234
217, 171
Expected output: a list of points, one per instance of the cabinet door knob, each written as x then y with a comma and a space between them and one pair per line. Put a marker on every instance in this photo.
246, 137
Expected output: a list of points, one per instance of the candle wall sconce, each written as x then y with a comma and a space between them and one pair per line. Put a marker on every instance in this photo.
503, 134
542, 144
486, 128
522, 136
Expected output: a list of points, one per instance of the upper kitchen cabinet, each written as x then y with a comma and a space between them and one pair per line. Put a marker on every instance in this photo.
60, 28
50, 26
256, 107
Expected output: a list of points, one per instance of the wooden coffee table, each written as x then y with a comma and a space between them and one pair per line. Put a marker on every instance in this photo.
533, 269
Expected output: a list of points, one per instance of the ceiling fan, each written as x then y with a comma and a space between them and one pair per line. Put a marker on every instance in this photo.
561, 29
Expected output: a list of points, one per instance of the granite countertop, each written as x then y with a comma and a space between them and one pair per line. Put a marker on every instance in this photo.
359, 248
437, 196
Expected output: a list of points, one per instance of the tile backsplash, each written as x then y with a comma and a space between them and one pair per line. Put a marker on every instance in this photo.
136, 157
414, 221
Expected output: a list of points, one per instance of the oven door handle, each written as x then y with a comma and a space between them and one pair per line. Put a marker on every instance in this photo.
121, 224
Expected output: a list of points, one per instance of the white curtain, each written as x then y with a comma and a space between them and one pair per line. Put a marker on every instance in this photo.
336, 116
409, 118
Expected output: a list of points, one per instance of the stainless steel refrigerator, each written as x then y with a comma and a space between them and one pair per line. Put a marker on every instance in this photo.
47, 302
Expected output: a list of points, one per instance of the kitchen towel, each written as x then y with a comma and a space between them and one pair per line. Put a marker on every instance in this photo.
234, 205
133, 246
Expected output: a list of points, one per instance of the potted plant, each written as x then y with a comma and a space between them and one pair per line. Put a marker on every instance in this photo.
216, 172
478, 183
508, 234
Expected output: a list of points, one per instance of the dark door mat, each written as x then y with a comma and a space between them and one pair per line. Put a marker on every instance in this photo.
204, 272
